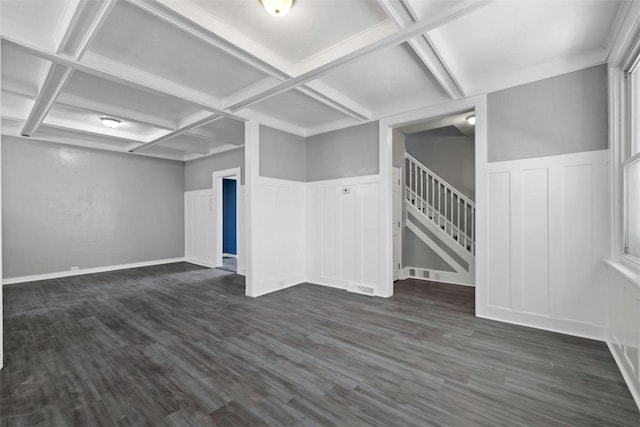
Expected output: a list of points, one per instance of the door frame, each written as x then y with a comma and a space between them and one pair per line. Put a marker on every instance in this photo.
398, 205
479, 105
217, 177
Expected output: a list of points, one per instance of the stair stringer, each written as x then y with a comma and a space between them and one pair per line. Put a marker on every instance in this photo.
439, 233
435, 247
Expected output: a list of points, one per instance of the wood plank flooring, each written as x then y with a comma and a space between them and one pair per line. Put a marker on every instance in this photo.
181, 345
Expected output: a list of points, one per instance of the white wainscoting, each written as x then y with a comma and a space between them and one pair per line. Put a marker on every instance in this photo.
200, 228
623, 323
547, 224
343, 226
278, 235
240, 234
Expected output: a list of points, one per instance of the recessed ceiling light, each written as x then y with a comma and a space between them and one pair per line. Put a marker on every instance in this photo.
110, 122
277, 7
471, 119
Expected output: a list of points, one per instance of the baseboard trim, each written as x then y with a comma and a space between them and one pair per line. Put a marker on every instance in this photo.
83, 271
200, 263
280, 288
565, 327
230, 255
628, 379
446, 282
327, 284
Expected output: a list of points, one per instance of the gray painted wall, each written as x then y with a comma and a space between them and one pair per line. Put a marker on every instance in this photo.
198, 173
449, 154
67, 206
416, 254
343, 153
559, 115
282, 155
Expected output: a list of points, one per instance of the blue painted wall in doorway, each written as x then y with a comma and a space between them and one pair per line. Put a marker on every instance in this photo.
229, 226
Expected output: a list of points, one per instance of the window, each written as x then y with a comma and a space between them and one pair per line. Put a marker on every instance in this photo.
631, 167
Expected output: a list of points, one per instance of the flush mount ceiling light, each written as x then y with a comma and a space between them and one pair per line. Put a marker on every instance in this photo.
471, 119
110, 122
277, 7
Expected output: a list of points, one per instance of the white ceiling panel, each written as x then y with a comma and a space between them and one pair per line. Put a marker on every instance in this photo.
192, 144
391, 80
170, 53
38, 22
86, 86
21, 72
225, 130
425, 9
77, 118
16, 106
504, 37
297, 109
309, 28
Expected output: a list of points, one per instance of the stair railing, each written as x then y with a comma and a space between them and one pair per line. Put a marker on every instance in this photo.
441, 203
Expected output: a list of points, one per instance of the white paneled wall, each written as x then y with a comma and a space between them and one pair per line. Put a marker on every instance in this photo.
240, 233
547, 235
623, 323
343, 234
200, 227
278, 235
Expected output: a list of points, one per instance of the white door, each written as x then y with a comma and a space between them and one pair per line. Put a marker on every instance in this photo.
397, 230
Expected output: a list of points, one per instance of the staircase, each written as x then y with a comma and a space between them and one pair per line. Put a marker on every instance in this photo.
440, 211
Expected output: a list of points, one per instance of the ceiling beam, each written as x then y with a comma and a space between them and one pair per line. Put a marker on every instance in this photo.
329, 97
139, 81
184, 129
392, 40
401, 36
395, 39
87, 20
403, 14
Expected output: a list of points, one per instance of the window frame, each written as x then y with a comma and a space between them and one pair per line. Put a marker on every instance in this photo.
630, 144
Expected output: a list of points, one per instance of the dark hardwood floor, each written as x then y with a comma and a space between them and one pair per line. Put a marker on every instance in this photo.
181, 345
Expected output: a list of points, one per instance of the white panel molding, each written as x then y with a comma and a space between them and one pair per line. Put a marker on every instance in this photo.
82, 271
342, 234
74, 43
279, 234
200, 230
623, 322
251, 173
428, 275
548, 224
240, 235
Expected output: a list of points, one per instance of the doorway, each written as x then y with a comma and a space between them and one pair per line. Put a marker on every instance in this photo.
389, 128
229, 224
226, 186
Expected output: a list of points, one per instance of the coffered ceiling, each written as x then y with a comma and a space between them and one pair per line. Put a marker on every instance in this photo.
183, 76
